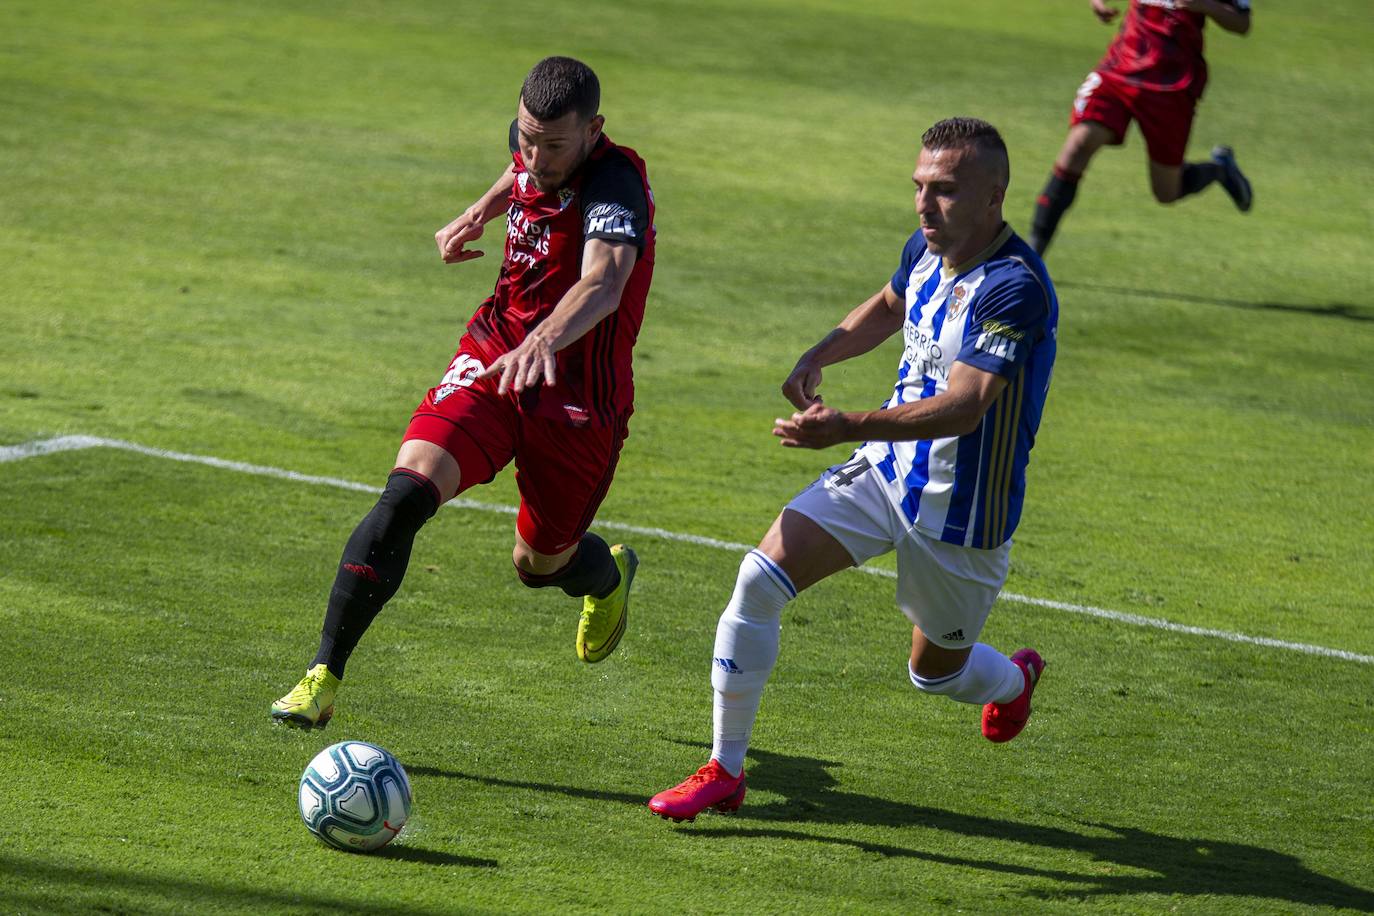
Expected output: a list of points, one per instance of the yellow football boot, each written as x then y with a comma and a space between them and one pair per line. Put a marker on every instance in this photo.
603, 619
310, 704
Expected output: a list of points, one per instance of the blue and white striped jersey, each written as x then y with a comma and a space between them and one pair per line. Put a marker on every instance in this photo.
999, 313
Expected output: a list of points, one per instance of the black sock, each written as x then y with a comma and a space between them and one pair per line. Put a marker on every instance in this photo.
1196, 176
373, 564
591, 571
1050, 206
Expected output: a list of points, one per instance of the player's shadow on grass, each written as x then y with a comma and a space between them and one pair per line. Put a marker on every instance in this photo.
1189, 866
43, 886
1343, 310
1194, 866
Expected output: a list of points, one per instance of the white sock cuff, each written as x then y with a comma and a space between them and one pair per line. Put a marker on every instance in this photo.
933, 684
729, 753
758, 562
987, 677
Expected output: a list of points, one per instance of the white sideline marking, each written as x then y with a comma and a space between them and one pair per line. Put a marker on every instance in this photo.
75, 443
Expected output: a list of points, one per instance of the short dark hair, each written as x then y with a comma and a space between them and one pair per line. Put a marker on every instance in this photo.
970, 132
558, 85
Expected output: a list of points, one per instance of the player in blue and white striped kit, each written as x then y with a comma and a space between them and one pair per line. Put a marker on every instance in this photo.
940, 476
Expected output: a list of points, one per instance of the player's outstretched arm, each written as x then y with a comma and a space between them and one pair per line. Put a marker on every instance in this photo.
872, 322
1233, 17
956, 411
606, 268
468, 226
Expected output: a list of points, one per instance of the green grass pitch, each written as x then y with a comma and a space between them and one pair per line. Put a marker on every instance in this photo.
216, 228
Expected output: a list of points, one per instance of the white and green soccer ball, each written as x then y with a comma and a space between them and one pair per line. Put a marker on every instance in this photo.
355, 796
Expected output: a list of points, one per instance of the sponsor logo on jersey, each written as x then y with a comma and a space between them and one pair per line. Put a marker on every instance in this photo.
993, 326
525, 232
923, 353
996, 345
611, 219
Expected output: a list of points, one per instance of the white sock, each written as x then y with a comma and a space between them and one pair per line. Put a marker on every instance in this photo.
746, 650
987, 677
729, 754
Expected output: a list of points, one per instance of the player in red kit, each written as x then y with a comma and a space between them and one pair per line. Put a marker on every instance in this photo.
1153, 72
541, 378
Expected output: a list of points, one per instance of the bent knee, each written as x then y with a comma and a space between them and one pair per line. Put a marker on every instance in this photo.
532, 565
1166, 182
434, 462
932, 662
527, 562
939, 684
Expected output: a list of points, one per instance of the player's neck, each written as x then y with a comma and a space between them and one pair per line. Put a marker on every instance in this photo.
977, 249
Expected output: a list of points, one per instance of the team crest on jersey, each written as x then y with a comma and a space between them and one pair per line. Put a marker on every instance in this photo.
957, 300
565, 196
523, 180
443, 391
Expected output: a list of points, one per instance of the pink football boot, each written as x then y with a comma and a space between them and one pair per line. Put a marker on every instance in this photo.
1004, 721
709, 787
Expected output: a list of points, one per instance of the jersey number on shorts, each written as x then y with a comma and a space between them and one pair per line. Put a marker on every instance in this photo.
463, 371
845, 474
1085, 91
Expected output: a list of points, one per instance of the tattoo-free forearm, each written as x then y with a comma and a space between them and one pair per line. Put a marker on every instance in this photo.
933, 418
956, 411
582, 308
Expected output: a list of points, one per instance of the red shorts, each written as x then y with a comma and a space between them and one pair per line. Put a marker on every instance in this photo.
562, 471
1165, 118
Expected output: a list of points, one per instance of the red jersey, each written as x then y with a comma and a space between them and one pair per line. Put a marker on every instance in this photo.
1160, 47
608, 197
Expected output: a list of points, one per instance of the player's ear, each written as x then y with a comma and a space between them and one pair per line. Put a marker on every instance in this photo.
594, 128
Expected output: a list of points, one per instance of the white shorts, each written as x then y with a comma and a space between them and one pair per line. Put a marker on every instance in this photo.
947, 590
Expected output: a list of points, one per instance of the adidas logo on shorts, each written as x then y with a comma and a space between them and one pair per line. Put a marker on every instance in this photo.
956, 636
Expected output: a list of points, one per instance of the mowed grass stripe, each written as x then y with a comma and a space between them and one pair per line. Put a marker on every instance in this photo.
60, 444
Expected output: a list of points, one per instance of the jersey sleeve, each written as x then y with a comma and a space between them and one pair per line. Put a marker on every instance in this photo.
1009, 317
911, 253
614, 206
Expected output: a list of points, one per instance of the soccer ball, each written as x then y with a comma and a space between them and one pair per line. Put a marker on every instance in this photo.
355, 796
